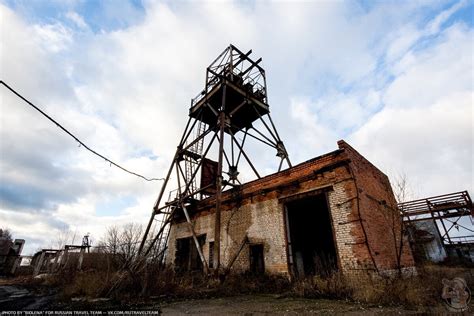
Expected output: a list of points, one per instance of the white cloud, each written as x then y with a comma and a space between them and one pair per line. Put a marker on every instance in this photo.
311, 136
435, 25
53, 37
77, 19
432, 146
434, 71
426, 127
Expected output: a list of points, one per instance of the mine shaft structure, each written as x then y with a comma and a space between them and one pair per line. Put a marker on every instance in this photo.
232, 108
447, 211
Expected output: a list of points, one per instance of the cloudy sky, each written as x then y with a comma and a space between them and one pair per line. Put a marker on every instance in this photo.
394, 79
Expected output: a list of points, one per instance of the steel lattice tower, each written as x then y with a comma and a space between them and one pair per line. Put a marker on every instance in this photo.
233, 100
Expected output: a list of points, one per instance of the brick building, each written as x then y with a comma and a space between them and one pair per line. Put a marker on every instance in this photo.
333, 212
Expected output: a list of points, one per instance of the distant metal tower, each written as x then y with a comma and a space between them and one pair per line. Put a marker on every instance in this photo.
86, 242
233, 101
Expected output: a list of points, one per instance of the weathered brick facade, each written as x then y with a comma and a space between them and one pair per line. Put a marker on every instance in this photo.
361, 205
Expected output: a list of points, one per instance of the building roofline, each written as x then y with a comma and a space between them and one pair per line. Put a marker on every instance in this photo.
343, 145
247, 186
293, 168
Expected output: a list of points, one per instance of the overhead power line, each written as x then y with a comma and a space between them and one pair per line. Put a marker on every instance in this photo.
77, 139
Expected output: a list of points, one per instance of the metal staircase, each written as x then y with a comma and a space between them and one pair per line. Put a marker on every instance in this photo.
191, 161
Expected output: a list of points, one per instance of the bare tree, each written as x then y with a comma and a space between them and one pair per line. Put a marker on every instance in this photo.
402, 189
111, 240
130, 239
64, 236
402, 192
122, 242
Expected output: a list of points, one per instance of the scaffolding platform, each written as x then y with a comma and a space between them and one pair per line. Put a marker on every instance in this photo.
243, 81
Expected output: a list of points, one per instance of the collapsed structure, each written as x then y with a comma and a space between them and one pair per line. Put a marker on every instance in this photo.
53, 260
441, 228
333, 212
10, 254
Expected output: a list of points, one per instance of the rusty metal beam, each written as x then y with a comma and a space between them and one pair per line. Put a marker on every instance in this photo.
217, 219
160, 196
439, 209
245, 156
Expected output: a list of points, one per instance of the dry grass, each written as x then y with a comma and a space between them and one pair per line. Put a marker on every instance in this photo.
423, 289
85, 284
397, 291
334, 286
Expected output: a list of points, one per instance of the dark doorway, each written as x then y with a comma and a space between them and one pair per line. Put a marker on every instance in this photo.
187, 257
257, 264
311, 242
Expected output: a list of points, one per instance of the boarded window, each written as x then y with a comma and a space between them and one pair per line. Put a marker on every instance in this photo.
208, 176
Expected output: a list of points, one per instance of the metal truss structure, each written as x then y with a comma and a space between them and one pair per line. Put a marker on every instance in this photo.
231, 110
447, 211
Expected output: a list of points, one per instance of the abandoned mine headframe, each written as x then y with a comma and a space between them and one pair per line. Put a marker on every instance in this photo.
222, 115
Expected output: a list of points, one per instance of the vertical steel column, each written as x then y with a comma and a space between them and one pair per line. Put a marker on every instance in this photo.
446, 231
217, 225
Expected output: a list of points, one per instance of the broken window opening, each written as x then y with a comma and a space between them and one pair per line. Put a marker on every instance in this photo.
311, 239
187, 257
257, 263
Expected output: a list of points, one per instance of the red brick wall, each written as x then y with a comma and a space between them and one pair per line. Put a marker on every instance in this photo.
379, 214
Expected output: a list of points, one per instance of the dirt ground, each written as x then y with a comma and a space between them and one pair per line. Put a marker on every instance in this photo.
273, 305
16, 296
22, 298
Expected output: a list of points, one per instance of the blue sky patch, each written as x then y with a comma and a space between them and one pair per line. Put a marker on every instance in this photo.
111, 207
104, 15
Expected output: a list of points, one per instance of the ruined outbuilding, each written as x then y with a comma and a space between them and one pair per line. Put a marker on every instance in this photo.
333, 212
10, 255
